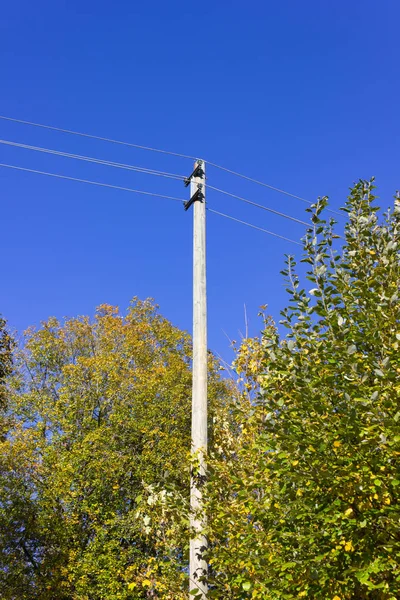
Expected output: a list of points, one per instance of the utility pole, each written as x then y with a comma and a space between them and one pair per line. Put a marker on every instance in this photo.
197, 565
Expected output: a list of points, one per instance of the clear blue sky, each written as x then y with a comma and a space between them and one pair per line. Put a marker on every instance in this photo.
303, 95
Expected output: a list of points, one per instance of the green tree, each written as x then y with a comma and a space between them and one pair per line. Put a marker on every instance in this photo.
11, 544
303, 493
6, 355
101, 433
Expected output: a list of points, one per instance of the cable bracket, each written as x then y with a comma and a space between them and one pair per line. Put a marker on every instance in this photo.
197, 196
198, 172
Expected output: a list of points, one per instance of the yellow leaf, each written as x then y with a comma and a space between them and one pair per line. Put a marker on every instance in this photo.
146, 583
132, 585
349, 547
295, 462
348, 512
336, 444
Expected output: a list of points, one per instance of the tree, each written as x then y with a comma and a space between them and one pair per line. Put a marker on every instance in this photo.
101, 432
6, 353
303, 493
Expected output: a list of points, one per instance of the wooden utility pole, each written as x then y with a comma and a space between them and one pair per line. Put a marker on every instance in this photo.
198, 543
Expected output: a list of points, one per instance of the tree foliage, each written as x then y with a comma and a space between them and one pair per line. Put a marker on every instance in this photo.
303, 502
101, 422
302, 489
6, 361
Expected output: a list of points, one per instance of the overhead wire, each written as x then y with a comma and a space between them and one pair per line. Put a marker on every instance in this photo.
97, 137
270, 187
152, 172
94, 160
282, 237
98, 183
143, 192
188, 156
146, 171
271, 210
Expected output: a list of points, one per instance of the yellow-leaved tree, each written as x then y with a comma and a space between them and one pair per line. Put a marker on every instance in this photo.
100, 433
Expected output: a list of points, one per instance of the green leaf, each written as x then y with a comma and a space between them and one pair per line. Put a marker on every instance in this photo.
246, 585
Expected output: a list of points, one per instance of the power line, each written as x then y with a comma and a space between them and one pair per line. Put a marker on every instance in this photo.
271, 210
270, 187
96, 137
94, 160
120, 142
253, 226
98, 183
125, 189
